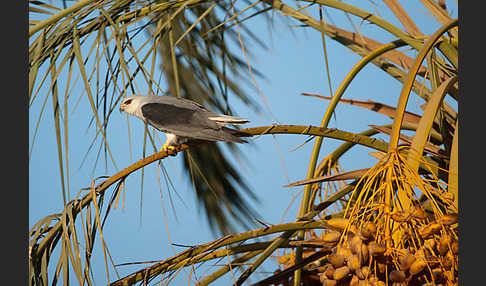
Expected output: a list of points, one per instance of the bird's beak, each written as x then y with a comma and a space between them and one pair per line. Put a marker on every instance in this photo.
121, 108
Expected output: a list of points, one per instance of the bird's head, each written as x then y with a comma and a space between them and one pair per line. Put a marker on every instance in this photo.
132, 104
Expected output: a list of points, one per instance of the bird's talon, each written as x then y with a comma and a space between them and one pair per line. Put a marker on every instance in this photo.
170, 150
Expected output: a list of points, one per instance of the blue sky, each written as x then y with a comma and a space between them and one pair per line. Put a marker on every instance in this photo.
293, 64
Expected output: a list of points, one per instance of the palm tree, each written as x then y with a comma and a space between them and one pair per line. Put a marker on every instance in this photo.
395, 222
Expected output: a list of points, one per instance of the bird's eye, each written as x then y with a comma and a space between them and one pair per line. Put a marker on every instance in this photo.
128, 101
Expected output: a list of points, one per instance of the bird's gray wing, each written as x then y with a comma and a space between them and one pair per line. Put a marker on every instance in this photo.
181, 102
184, 122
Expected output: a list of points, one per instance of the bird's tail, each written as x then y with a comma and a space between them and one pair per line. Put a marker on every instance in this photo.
228, 120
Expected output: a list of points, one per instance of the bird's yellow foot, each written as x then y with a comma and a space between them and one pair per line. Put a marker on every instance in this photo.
170, 149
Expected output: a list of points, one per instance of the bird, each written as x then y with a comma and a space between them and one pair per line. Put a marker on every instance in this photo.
182, 120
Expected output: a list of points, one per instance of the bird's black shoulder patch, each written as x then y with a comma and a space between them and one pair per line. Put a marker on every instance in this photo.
160, 114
